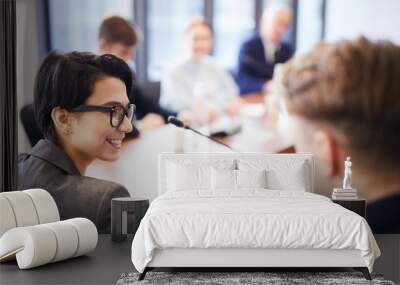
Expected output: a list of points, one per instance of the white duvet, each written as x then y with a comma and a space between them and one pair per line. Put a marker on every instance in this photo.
250, 219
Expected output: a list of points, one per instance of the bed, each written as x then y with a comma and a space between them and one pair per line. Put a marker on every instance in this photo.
244, 211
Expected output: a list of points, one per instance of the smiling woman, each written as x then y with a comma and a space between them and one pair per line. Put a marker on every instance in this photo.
82, 108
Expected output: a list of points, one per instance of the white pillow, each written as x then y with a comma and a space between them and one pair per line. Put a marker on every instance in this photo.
282, 174
294, 179
223, 179
227, 179
251, 178
183, 177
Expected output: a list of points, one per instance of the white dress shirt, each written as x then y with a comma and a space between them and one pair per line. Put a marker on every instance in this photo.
188, 82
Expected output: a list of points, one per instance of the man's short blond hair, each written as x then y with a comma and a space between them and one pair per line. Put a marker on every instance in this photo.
354, 88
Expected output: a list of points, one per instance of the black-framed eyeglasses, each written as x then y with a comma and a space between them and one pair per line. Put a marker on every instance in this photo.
117, 112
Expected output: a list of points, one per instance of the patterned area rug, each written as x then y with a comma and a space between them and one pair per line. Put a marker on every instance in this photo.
225, 278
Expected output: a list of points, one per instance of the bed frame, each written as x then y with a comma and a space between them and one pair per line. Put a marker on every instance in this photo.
260, 259
248, 259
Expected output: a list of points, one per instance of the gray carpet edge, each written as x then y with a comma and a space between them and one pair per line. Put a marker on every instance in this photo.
268, 278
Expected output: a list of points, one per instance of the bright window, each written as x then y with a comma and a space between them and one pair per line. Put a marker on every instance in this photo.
167, 21
234, 21
74, 24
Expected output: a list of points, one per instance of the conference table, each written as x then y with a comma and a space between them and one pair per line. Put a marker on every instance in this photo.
137, 168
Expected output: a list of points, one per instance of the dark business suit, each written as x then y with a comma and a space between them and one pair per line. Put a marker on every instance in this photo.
253, 69
383, 216
145, 105
48, 167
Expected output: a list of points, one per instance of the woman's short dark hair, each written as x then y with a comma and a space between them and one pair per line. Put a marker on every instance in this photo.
67, 80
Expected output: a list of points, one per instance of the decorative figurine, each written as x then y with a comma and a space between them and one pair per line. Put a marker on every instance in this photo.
347, 174
347, 192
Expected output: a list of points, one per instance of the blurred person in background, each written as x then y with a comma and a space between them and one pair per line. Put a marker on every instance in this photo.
119, 37
344, 101
259, 55
198, 83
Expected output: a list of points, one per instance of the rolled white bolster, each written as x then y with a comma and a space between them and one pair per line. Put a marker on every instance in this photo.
7, 218
40, 244
23, 208
45, 205
87, 234
33, 246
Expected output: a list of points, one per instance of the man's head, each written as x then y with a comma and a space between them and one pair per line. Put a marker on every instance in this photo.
345, 100
274, 23
119, 37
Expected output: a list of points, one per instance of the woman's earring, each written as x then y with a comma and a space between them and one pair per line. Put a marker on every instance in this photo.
68, 131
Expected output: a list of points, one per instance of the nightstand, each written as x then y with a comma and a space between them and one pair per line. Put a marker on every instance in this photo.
123, 208
358, 206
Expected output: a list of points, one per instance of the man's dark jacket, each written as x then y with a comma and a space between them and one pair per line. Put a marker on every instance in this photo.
145, 105
253, 68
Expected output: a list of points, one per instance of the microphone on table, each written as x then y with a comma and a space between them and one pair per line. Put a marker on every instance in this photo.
178, 123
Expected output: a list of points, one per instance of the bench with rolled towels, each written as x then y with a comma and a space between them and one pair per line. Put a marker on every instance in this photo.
31, 231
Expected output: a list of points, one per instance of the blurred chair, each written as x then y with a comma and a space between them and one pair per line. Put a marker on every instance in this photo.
151, 89
29, 124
